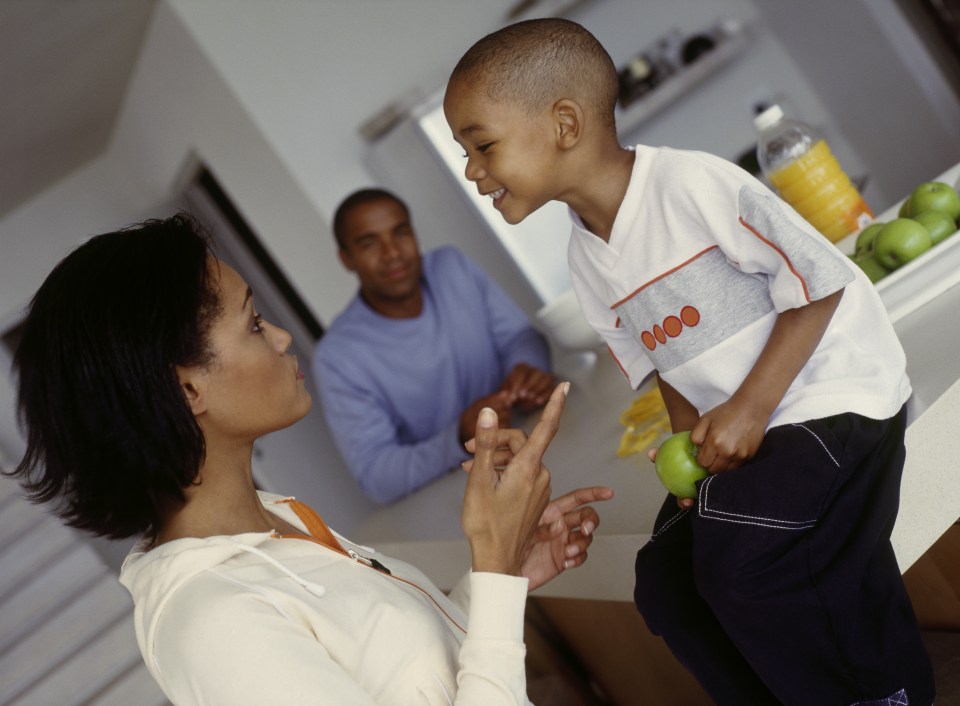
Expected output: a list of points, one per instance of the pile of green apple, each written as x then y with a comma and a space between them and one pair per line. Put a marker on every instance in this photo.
928, 216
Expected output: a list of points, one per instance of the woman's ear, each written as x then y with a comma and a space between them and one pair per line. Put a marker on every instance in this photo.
193, 388
568, 119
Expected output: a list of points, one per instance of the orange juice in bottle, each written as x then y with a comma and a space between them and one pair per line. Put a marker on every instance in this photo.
800, 166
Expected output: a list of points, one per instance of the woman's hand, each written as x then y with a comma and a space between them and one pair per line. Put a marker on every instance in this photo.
503, 506
565, 531
565, 528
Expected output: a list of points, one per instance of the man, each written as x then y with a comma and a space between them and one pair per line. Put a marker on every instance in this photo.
427, 342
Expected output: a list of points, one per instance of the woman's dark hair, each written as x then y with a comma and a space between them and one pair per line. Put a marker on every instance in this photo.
110, 435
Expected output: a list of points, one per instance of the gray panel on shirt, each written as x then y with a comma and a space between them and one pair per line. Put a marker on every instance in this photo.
694, 308
819, 262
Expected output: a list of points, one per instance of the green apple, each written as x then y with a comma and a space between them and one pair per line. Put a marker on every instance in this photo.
871, 266
904, 211
677, 466
935, 196
867, 236
938, 224
900, 241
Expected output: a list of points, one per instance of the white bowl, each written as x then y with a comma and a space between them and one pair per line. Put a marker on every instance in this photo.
564, 322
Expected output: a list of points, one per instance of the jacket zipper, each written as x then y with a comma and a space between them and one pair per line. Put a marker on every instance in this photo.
369, 561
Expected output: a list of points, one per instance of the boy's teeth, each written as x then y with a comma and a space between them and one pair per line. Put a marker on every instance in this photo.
497, 194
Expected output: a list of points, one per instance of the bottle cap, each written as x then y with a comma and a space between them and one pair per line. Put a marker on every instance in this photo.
770, 116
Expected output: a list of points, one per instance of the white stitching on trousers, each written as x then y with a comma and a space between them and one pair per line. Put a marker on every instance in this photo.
835, 462
898, 699
669, 523
745, 519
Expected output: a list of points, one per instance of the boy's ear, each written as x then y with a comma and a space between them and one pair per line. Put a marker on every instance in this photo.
568, 118
193, 389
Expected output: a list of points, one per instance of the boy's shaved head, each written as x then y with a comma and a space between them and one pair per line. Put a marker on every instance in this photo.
536, 62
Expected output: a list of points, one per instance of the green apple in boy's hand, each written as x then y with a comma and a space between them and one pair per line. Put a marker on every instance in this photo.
935, 196
677, 466
938, 223
900, 241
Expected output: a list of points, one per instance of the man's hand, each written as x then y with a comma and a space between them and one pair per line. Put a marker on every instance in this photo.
528, 387
499, 402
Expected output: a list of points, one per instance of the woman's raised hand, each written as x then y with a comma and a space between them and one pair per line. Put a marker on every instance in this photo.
508, 518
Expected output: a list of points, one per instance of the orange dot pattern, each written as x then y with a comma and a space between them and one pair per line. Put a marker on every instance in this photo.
671, 327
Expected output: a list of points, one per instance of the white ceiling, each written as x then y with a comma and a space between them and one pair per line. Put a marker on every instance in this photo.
64, 68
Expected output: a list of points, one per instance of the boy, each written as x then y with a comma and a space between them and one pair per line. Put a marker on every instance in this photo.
778, 583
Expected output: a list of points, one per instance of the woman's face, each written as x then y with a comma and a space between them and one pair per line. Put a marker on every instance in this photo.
253, 386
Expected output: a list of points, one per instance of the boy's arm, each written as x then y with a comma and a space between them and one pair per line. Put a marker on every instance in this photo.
731, 433
683, 415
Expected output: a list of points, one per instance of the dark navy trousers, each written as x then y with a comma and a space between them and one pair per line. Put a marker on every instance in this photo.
781, 585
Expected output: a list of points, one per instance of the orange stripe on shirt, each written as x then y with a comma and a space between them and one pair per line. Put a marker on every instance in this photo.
661, 276
786, 259
617, 361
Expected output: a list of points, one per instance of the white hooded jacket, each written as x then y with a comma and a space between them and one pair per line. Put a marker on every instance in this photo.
258, 619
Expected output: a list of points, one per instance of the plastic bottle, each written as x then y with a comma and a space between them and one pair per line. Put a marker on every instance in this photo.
800, 166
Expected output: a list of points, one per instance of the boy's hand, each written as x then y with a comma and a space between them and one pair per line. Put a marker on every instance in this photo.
729, 434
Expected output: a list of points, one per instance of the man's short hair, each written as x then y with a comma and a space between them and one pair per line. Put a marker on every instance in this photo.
358, 198
536, 62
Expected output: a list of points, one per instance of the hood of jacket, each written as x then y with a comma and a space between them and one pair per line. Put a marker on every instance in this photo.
152, 576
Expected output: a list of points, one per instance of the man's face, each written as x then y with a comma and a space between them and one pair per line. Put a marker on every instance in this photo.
379, 245
511, 155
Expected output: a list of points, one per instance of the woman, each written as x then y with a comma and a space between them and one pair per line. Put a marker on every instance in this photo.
145, 375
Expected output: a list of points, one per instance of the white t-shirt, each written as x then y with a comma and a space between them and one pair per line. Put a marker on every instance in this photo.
701, 260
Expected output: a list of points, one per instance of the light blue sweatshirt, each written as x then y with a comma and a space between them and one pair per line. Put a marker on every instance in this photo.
393, 390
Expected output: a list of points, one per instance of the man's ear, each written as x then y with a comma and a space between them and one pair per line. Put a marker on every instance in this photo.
568, 121
345, 259
193, 389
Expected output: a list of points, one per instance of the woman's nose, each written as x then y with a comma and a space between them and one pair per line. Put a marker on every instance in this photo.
281, 339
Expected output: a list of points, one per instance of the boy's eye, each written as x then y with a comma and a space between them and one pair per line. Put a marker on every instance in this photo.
257, 323
480, 148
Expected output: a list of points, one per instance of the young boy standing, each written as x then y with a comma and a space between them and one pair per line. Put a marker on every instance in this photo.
778, 583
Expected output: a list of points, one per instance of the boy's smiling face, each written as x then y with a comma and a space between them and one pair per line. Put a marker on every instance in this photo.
511, 155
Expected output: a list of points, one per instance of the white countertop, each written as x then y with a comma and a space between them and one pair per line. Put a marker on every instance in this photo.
424, 528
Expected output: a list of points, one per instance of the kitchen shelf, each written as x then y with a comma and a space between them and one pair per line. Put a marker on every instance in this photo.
731, 44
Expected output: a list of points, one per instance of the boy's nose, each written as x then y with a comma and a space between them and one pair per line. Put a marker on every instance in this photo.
473, 171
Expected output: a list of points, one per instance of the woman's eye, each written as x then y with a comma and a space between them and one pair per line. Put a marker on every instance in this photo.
483, 148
